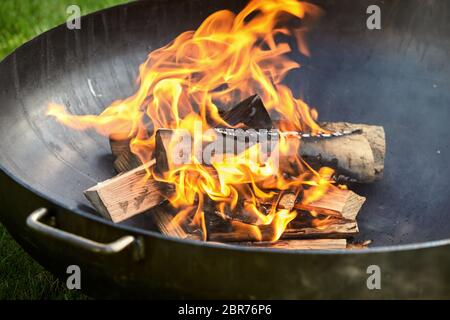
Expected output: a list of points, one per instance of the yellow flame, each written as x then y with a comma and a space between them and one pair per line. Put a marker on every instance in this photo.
228, 58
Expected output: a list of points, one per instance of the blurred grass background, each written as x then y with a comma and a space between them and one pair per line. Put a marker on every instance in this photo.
21, 20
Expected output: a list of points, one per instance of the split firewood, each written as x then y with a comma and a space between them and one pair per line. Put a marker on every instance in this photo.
173, 148
235, 231
355, 151
116, 198
128, 194
357, 155
126, 161
311, 244
335, 202
334, 217
167, 227
246, 215
164, 140
165, 224
237, 226
333, 228
119, 145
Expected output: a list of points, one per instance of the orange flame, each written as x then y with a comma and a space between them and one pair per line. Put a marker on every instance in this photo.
229, 57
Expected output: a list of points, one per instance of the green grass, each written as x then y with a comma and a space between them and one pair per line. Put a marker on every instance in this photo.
21, 20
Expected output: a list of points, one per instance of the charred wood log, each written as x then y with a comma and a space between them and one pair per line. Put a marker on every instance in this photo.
249, 113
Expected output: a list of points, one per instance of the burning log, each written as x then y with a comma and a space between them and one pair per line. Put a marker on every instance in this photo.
248, 114
335, 217
167, 227
128, 194
165, 224
235, 231
334, 228
359, 157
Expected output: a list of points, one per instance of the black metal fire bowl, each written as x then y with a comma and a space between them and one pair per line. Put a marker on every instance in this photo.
398, 77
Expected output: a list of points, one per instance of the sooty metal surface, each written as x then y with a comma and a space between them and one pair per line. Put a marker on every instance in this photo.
398, 77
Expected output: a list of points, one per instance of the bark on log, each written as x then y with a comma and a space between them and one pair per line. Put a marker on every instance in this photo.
375, 135
357, 156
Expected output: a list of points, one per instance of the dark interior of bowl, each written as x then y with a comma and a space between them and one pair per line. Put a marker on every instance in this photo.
397, 77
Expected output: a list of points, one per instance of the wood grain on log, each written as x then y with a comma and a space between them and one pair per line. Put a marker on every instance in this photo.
333, 230
124, 160
128, 194
335, 201
311, 244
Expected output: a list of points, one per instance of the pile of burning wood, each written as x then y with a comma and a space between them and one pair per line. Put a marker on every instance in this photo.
205, 171
325, 212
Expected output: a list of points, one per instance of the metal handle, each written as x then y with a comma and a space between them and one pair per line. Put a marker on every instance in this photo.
103, 248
